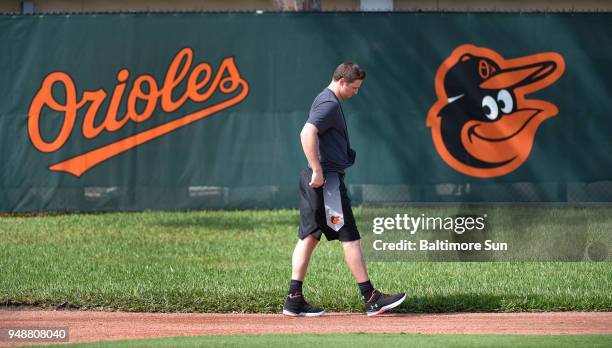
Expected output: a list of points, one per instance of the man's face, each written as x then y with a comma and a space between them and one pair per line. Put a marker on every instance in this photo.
347, 90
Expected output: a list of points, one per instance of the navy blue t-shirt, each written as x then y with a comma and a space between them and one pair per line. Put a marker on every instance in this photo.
335, 151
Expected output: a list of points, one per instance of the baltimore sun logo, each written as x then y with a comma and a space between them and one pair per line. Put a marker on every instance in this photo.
482, 124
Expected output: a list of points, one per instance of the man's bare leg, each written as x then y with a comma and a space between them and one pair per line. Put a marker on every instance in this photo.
295, 304
375, 301
301, 257
354, 260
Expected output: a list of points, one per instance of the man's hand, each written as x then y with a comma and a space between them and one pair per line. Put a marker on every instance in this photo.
317, 179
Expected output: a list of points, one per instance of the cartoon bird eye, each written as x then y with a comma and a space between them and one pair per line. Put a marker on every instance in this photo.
505, 101
489, 107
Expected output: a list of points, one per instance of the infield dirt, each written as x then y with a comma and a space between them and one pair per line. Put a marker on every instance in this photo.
91, 326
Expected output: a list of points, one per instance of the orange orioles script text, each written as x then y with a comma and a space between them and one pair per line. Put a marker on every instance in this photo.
200, 86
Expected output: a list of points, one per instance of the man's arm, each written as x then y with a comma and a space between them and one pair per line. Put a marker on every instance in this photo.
310, 144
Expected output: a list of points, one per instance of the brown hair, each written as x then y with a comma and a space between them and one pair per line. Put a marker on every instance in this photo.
349, 71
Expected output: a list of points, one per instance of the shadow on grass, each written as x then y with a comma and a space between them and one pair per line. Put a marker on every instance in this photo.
471, 302
466, 302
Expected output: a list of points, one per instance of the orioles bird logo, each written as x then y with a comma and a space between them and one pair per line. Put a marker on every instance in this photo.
482, 125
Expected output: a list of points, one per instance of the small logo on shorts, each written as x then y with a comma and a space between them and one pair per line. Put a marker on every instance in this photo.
335, 219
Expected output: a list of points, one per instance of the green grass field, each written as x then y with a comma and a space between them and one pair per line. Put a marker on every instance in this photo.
362, 340
224, 261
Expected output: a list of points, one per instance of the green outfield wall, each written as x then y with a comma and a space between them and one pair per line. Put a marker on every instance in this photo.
204, 110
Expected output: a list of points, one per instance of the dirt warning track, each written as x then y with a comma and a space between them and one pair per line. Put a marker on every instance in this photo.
90, 326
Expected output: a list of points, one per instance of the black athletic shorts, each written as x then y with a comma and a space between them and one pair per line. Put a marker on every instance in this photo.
327, 209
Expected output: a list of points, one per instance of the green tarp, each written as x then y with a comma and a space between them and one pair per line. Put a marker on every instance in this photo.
240, 148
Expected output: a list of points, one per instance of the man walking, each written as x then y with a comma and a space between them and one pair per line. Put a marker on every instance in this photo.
324, 205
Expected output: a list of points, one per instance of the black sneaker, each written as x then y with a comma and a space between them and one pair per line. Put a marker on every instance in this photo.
379, 303
296, 306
